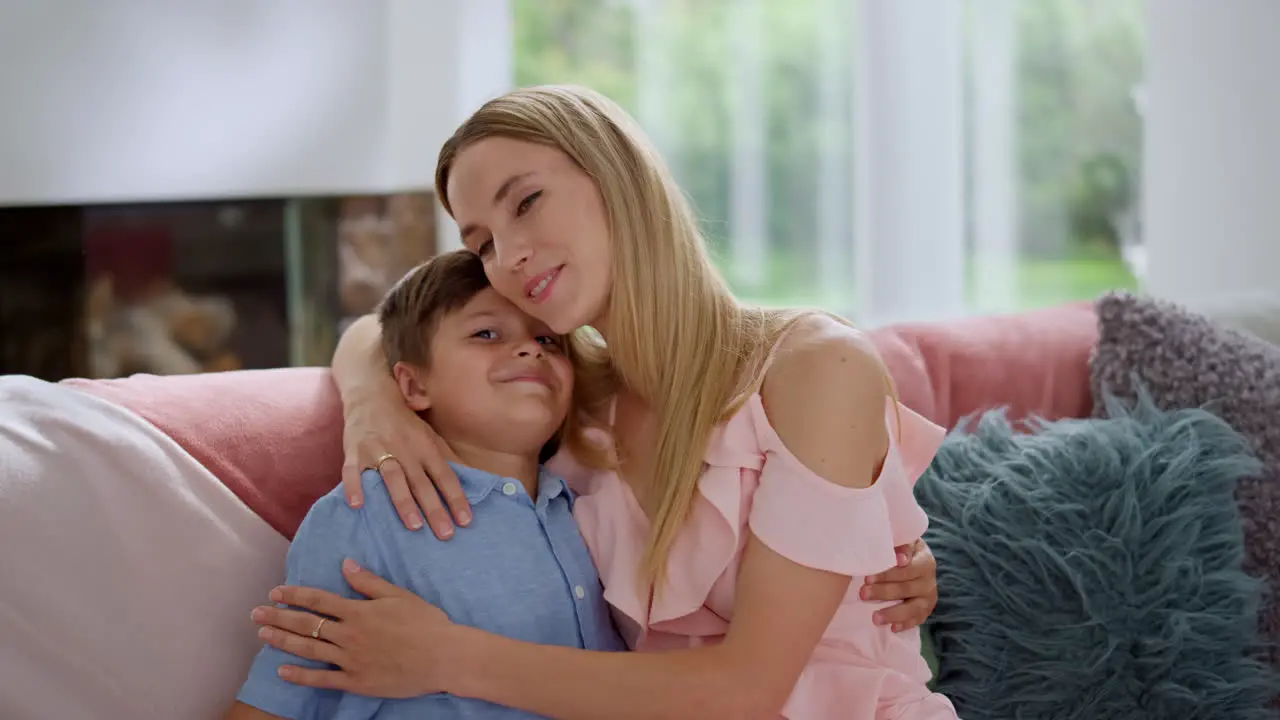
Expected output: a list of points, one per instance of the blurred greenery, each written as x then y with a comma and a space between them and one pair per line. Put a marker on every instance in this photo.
1078, 136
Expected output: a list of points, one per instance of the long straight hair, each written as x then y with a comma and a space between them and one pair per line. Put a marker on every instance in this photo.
677, 336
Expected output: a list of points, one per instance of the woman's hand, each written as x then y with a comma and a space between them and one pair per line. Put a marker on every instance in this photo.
394, 645
383, 425
380, 431
914, 582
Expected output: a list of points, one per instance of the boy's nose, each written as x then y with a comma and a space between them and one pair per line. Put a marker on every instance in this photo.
529, 349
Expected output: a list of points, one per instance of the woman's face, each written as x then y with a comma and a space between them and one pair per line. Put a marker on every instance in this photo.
538, 222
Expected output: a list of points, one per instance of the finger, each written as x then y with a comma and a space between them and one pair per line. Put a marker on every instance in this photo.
297, 622
905, 573
351, 485
446, 480
893, 591
311, 677
903, 616
393, 477
321, 602
905, 553
303, 647
368, 583
422, 493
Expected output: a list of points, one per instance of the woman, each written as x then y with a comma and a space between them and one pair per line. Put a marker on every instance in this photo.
760, 467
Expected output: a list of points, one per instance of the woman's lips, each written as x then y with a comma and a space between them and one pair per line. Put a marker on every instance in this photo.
538, 289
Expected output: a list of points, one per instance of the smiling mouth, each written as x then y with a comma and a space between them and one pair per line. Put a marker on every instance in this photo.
532, 379
536, 287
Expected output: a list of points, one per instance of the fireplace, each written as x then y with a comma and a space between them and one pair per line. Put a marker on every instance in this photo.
110, 290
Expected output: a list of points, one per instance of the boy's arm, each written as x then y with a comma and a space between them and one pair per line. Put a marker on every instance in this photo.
330, 532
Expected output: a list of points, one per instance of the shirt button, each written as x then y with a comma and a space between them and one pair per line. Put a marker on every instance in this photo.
509, 489
577, 590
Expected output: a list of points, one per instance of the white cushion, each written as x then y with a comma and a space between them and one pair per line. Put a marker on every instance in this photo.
127, 570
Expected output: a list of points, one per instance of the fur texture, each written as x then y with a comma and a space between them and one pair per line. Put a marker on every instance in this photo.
1091, 569
1186, 360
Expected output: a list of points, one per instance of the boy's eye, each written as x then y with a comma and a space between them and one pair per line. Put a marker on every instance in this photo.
549, 340
527, 203
485, 248
485, 334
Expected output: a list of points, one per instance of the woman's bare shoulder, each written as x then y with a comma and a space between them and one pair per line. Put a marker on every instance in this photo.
834, 351
825, 396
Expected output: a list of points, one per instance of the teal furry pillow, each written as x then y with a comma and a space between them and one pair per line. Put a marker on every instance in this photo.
1091, 569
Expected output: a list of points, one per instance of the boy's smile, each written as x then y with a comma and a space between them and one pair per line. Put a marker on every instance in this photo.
498, 382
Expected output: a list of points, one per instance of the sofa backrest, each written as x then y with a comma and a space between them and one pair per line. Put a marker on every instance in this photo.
1033, 363
274, 437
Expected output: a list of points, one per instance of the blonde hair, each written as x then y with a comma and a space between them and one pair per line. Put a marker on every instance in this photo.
677, 336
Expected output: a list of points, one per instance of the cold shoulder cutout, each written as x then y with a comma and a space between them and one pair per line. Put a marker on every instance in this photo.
753, 484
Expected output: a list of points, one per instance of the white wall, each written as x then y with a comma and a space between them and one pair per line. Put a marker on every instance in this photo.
127, 100
1212, 149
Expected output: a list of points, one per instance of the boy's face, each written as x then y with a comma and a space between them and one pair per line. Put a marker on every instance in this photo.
497, 378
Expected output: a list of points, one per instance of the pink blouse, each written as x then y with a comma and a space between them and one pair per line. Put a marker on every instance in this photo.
859, 670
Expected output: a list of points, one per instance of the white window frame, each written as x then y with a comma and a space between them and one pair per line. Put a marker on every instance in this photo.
909, 160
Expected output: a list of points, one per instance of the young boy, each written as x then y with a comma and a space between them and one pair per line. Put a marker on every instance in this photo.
497, 385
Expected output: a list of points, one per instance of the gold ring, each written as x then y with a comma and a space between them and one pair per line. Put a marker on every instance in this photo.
316, 633
385, 457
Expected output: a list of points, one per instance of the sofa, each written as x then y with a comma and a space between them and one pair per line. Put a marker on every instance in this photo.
141, 518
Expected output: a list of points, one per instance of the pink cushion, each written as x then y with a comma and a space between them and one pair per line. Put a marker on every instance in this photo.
274, 437
1033, 363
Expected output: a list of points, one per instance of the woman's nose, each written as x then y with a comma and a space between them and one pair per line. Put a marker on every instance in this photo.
513, 251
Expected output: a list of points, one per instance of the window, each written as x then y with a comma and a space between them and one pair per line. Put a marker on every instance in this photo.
749, 102
752, 103
1054, 150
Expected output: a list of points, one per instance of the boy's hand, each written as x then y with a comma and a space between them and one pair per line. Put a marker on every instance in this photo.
384, 434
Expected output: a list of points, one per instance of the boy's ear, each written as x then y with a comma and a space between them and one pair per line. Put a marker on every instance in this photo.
412, 383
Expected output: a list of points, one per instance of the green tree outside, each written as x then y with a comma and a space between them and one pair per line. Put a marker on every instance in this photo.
1078, 136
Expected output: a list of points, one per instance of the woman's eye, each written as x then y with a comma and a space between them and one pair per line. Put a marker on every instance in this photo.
527, 203
484, 334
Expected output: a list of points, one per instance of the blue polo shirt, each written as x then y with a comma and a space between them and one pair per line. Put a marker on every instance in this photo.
521, 569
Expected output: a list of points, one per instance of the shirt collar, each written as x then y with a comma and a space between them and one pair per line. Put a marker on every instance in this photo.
477, 484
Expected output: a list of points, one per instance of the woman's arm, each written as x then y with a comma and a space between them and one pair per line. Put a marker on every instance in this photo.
782, 607
358, 362
377, 422
395, 643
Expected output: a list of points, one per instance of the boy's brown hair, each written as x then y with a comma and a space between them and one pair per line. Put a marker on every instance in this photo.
412, 309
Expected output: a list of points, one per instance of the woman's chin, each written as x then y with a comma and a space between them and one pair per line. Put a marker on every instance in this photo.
579, 317
565, 320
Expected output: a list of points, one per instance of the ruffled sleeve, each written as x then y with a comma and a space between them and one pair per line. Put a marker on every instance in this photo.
851, 531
